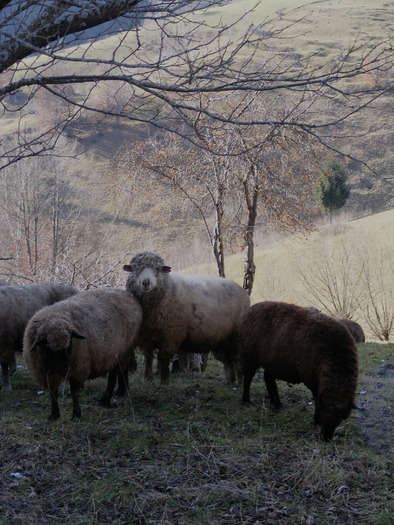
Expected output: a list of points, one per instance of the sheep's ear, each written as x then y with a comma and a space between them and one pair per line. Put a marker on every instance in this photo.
165, 269
127, 268
77, 335
35, 345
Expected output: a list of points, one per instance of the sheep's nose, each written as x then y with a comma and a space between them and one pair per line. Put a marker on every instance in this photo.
145, 284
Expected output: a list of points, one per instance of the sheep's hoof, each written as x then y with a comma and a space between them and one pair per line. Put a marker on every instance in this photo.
277, 409
120, 393
104, 402
53, 417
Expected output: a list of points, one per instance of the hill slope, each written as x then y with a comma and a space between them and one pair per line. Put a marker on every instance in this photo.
284, 267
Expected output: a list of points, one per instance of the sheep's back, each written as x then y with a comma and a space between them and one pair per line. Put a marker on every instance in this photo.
206, 307
355, 330
109, 320
19, 303
294, 344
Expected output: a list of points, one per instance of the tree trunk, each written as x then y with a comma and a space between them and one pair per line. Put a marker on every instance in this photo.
217, 239
251, 196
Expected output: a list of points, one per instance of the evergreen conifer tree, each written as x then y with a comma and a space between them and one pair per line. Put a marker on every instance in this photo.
332, 190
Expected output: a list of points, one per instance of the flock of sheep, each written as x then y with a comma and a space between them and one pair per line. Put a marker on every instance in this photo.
66, 334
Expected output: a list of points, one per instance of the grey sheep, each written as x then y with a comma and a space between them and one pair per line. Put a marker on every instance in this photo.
296, 345
86, 336
17, 305
192, 313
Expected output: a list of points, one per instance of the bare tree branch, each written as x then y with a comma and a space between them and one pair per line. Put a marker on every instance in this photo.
165, 52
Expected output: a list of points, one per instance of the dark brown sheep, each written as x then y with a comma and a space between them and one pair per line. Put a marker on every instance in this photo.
296, 345
355, 330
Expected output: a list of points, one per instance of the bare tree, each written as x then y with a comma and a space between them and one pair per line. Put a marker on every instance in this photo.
377, 281
353, 279
165, 52
333, 284
199, 179
49, 223
230, 192
276, 178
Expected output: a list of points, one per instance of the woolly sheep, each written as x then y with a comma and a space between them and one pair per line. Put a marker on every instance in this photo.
17, 305
296, 345
192, 313
355, 330
86, 336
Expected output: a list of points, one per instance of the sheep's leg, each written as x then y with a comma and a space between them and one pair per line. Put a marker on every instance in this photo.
132, 366
5, 376
148, 373
105, 401
248, 377
55, 412
229, 372
12, 366
270, 383
164, 362
123, 381
75, 388
316, 417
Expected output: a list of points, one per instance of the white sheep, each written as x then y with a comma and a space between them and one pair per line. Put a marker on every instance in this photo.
193, 313
17, 305
86, 336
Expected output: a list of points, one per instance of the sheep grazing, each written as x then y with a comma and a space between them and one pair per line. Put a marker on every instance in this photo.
355, 330
17, 305
296, 345
190, 313
86, 336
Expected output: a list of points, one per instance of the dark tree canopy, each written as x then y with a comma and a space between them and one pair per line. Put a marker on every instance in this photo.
332, 191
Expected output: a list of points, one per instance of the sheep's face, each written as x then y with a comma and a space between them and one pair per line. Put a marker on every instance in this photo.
146, 270
147, 280
54, 340
329, 416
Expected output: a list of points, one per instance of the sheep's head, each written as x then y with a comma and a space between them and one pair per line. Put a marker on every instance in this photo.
54, 340
146, 270
330, 413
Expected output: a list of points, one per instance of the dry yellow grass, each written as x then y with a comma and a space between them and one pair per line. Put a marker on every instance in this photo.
281, 264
